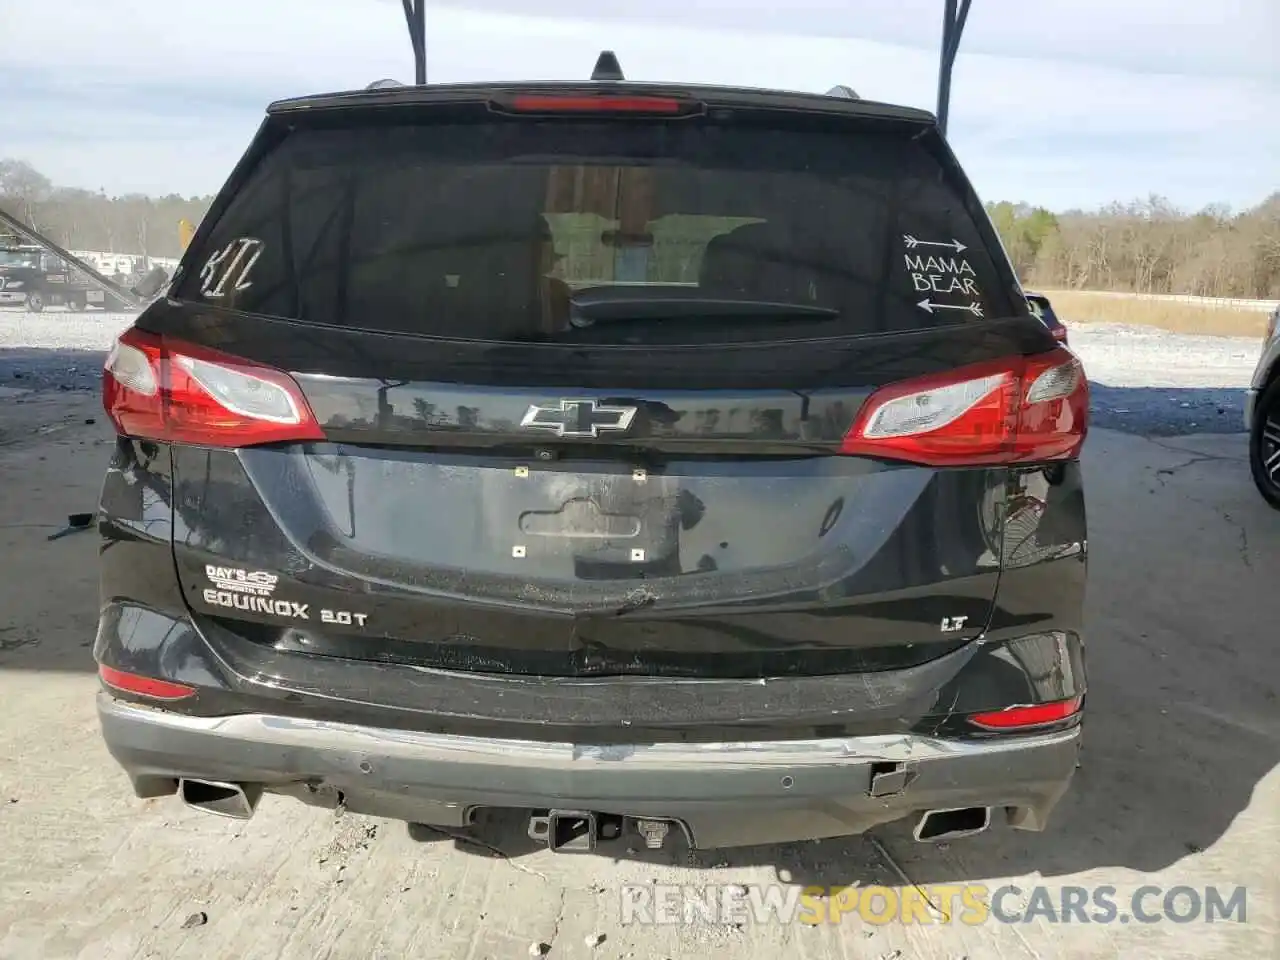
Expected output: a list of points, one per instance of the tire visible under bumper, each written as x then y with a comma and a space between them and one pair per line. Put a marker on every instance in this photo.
725, 794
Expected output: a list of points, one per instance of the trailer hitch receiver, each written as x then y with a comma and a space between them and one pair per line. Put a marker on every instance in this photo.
574, 831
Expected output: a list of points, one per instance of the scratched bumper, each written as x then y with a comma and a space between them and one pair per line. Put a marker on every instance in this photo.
726, 794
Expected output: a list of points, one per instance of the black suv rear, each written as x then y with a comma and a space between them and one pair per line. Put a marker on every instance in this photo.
676, 457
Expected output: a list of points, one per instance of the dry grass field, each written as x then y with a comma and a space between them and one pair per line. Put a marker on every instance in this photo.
1074, 306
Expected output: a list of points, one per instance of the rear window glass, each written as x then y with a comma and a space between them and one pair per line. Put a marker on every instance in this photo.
602, 232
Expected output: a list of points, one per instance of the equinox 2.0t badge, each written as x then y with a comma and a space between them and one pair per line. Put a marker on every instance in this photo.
579, 418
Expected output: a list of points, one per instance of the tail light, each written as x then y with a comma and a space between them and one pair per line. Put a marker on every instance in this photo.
1005, 411
1026, 717
559, 103
156, 388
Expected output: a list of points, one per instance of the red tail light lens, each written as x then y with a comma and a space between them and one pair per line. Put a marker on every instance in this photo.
1036, 715
597, 103
1005, 411
156, 388
144, 686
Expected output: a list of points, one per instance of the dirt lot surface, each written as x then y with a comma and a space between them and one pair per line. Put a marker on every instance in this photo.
1179, 784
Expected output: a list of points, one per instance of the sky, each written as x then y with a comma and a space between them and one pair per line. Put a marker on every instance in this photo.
1063, 103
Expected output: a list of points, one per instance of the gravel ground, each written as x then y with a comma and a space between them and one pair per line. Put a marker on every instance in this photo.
1145, 381
1157, 383
56, 350
57, 329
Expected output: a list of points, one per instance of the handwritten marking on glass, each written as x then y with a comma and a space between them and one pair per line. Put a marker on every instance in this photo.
233, 264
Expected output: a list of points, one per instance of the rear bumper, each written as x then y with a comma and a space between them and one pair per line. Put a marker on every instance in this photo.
725, 794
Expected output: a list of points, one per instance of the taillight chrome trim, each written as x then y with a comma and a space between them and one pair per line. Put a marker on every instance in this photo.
192, 365
966, 394
1043, 390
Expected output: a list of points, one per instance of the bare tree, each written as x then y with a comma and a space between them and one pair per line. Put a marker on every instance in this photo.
1148, 246
79, 219
24, 187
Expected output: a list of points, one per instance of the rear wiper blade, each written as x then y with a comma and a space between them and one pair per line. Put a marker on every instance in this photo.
631, 307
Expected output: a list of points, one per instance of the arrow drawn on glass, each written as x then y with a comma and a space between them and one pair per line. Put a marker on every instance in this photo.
912, 243
927, 304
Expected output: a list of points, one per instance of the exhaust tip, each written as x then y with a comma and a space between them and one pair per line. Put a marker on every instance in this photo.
235, 800
938, 825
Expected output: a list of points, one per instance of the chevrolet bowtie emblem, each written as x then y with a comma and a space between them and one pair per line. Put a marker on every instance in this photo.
579, 418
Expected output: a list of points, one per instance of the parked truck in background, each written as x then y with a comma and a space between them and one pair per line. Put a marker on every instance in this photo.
33, 278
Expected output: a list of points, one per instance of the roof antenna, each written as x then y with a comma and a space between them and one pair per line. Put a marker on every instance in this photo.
607, 67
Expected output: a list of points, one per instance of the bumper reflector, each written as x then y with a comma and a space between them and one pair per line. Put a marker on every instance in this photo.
1036, 715
144, 686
